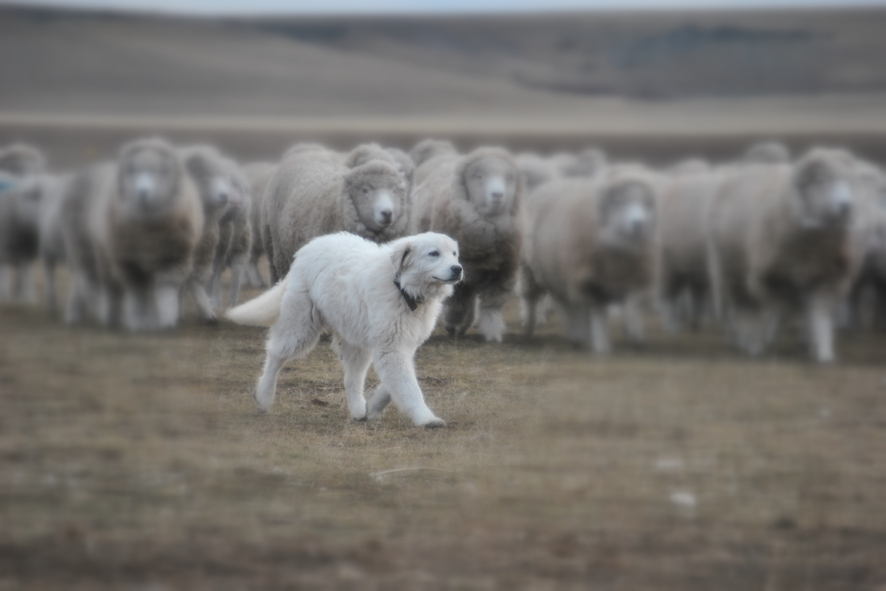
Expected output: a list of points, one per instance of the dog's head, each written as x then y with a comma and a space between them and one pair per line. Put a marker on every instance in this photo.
426, 265
148, 175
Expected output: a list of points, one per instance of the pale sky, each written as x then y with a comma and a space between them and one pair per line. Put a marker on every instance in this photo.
315, 7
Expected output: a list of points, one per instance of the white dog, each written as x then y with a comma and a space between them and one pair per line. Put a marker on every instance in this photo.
380, 301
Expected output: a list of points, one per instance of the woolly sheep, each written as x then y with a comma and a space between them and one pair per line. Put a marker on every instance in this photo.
258, 174
476, 200
20, 192
781, 237
315, 193
767, 152
210, 172
591, 243
235, 237
130, 229
428, 154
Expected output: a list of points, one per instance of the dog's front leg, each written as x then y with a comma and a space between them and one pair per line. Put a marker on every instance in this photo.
397, 375
356, 363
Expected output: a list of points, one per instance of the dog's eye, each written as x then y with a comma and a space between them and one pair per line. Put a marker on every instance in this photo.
433, 253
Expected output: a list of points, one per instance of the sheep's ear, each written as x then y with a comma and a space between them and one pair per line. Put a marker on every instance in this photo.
196, 165
461, 178
809, 172
353, 176
401, 257
608, 196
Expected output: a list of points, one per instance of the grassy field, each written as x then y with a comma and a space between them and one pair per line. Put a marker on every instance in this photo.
140, 462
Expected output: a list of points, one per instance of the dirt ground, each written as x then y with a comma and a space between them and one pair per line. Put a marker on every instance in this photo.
140, 462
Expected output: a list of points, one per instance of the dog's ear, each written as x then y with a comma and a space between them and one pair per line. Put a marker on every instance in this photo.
401, 256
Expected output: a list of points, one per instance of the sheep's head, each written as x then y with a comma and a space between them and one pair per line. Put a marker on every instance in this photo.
378, 193
627, 211
491, 181
148, 175
824, 195
212, 174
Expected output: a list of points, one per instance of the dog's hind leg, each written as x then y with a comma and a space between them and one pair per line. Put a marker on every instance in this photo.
293, 334
356, 363
397, 375
377, 403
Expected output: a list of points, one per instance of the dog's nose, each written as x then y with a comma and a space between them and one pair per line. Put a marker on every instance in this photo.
455, 270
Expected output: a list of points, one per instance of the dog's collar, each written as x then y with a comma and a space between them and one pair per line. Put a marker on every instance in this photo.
410, 301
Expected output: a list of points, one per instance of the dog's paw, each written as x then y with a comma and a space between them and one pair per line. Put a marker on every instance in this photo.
435, 423
259, 406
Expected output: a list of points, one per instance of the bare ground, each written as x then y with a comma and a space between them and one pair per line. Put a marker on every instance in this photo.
140, 462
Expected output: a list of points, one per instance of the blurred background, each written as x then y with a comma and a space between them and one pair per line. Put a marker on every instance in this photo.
647, 78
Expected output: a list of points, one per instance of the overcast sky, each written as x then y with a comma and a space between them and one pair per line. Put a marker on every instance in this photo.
220, 7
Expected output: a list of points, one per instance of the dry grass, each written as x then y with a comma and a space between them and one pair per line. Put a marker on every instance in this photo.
140, 460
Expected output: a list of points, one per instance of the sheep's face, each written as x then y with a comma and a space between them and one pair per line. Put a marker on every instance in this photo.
491, 184
824, 195
627, 213
378, 193
212, 174
148, 176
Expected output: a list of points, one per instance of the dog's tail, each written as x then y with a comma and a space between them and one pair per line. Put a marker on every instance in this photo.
261, 311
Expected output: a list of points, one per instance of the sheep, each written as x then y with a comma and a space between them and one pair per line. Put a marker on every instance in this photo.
211, 174
20, 193
130, 229
689, 166
428, 154
477, 201
590, 243
258, 174
767, 152
315, 193
19, 234
303, 147
586, 164
235, 237
781, 236
51, 242
535, 170
404, 165
870, 238
683, 269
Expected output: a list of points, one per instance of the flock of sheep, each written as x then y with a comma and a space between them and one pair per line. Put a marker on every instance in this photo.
743, 244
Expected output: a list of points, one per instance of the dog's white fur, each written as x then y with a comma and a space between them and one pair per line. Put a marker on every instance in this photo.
346, 284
